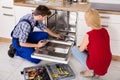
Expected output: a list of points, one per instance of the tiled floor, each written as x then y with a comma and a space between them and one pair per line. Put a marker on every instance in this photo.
10, 68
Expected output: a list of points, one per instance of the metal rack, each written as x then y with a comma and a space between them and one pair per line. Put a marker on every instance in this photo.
61, 22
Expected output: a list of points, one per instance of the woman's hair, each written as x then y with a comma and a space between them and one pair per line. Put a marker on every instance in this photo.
42, 10
93, 18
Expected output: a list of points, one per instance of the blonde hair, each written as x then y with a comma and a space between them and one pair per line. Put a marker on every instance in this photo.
93, 18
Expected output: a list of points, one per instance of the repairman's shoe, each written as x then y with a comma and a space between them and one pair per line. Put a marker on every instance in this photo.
11, 51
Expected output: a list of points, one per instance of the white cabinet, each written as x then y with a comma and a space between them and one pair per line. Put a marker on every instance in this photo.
110, 22
82, 28
106, 1
8, 3
20, 11
7, 18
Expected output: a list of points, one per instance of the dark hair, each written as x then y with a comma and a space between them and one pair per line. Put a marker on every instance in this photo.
42, 10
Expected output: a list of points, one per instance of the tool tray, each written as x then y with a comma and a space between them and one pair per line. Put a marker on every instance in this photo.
49, 72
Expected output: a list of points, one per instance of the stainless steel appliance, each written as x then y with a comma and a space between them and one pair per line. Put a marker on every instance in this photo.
63, 22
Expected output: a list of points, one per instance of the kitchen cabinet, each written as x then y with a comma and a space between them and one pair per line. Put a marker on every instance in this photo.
108, 21
82, 28
20, 11
106, 1
7, 18
111, 23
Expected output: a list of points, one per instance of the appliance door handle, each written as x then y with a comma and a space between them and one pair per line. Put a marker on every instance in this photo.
105, 26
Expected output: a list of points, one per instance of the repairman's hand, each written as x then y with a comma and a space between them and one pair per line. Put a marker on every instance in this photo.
59, 36
41, 43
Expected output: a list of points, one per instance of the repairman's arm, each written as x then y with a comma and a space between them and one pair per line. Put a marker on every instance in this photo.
52, 33
39, 44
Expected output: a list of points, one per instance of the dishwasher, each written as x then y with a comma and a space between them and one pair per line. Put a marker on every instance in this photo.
58, 50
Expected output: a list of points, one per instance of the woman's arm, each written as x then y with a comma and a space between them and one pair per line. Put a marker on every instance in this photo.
84, 43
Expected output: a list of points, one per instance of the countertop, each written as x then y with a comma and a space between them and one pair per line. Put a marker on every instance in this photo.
73, 7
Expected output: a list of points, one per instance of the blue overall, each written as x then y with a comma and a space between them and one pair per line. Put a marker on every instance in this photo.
25, 52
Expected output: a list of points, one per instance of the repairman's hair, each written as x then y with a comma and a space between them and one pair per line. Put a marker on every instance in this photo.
42, 10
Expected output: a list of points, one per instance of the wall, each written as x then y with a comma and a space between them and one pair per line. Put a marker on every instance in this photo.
106, 1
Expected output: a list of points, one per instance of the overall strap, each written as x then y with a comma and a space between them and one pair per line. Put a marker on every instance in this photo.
26, 20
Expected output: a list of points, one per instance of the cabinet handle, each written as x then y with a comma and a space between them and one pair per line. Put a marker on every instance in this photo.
32, 10
7, 7
104, 25
7, 14
105, 17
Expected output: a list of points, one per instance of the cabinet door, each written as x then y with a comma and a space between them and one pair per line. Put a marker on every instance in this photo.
113, 30
8, 3
112, 23
115, 47
7, 18
21, 11
110, 18
7, 24
82, 27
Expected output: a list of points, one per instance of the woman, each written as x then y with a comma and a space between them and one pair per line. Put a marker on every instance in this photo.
97, 43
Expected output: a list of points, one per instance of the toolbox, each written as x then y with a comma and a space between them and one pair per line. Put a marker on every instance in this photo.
53, 71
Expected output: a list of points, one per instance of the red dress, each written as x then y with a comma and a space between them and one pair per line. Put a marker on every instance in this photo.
99, 53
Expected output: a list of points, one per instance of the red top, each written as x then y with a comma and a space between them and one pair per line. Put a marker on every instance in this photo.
99, 53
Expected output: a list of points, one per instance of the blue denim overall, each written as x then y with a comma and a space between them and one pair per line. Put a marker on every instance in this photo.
34, 37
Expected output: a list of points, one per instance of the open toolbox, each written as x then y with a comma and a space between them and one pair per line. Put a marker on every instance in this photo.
49, 72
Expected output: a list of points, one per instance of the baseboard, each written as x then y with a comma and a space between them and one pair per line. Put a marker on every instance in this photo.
115, 58
7, 40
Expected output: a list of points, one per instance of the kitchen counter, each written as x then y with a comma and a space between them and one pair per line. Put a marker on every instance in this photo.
74, 7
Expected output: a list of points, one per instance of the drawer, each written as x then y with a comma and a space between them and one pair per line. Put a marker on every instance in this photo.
7, 25
113, 30
8, 3
20, 11
7, 10
109, 18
